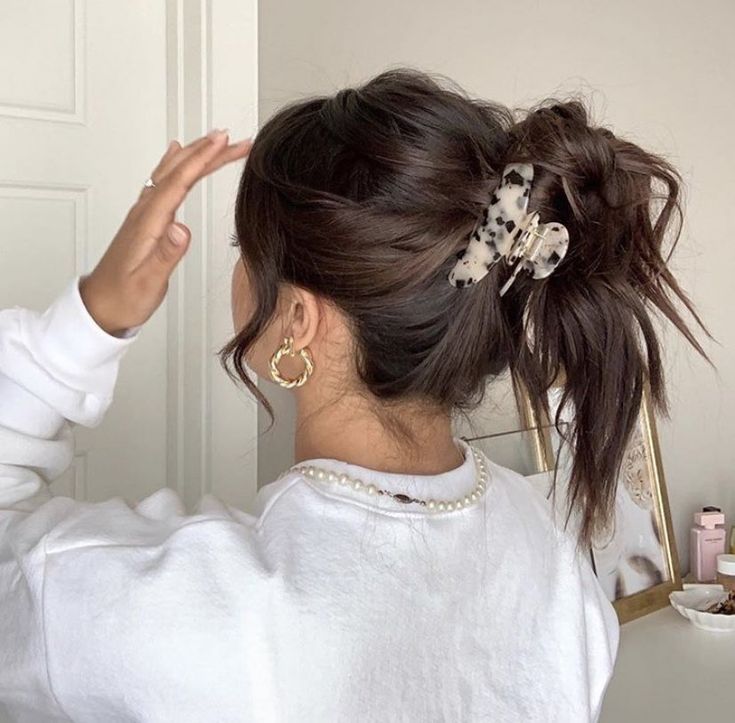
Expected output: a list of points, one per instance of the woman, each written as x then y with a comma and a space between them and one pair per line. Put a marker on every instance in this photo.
406, 576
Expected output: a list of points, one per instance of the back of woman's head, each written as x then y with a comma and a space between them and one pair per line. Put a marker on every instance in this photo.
368, 196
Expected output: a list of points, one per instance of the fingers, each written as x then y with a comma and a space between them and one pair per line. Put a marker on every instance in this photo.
158, 171
169, 162
229, 154
175, 155
208, 156
178, 170
171, 152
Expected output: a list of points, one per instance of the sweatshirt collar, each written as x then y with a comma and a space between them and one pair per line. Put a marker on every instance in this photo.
449, 485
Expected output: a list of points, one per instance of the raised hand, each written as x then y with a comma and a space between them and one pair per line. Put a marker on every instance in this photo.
131, 279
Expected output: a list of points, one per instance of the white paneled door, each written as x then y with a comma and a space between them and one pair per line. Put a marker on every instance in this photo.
91, 92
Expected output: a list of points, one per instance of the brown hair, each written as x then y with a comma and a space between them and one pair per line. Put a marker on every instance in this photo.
367, 196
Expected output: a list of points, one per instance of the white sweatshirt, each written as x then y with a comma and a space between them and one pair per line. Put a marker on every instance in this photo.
322, 604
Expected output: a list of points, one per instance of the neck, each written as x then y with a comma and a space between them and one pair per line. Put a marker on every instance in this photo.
348, 431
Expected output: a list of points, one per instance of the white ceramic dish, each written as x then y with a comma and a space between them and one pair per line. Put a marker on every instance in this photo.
693, 599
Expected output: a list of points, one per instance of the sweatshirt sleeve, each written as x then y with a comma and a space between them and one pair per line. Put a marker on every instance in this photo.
57, 369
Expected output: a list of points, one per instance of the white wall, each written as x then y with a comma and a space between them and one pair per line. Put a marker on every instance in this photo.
661, 73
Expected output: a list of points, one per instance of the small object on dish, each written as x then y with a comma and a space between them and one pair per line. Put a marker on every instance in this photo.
693, 601
724, 607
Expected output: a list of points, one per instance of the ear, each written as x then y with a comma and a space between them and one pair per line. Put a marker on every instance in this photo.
303, 316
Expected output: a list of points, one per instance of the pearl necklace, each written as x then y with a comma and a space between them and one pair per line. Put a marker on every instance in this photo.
325, 475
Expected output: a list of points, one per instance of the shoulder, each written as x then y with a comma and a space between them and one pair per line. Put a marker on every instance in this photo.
530, 499
566, 570
158, 520
129, 537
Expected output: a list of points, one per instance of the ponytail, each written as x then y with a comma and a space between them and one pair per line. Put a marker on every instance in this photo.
588, 327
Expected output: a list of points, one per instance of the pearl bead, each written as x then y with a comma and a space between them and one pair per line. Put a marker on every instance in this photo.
371, 489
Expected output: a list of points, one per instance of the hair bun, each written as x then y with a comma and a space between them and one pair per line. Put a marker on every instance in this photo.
561, 137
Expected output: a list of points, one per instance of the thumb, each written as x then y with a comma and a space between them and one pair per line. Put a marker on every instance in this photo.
178, 235
170, 249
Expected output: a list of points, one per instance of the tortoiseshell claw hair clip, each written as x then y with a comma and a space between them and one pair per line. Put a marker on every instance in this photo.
506, 230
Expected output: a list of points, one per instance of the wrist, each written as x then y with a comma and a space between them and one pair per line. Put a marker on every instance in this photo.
95, 309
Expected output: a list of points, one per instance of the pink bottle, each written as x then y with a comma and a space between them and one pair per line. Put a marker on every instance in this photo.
706, 541
712, 508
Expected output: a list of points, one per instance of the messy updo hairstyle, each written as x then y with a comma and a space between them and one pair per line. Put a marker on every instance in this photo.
367, 196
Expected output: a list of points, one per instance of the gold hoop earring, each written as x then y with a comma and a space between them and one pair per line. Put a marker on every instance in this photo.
287, 348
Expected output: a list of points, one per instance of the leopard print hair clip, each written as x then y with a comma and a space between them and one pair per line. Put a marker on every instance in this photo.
506, 230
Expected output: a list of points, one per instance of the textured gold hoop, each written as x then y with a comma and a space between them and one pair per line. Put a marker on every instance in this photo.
287, 348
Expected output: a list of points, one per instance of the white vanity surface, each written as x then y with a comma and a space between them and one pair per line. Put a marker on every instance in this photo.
669, 670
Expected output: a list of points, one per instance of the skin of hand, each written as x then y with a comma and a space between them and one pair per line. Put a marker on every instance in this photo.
131, 279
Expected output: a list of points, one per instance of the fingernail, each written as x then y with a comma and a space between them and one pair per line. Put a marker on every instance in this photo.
217, 133
177, 235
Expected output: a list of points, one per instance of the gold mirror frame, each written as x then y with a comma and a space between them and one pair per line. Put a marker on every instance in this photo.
654, 598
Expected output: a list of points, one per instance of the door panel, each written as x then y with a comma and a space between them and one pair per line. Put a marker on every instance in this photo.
91, 94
